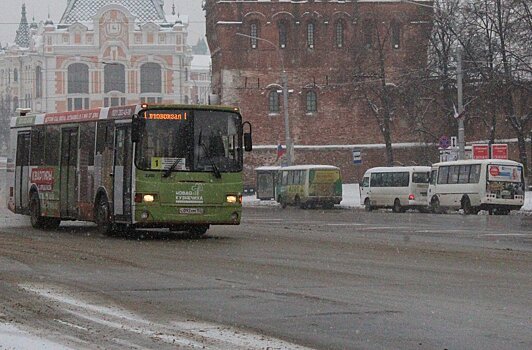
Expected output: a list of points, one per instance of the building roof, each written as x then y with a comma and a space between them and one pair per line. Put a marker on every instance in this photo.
85, 10
201, 62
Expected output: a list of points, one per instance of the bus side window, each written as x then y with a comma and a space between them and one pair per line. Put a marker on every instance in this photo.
433, 176
463, 176
51, 145
376, 180
442, 174
474, 175
37, 146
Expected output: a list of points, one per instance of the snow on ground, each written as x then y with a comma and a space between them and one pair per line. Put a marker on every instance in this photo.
14, 338
351, 199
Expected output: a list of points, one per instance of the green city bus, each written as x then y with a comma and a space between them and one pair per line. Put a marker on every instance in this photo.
308, 186
138, 166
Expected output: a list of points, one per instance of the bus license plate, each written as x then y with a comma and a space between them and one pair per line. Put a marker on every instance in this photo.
190, 210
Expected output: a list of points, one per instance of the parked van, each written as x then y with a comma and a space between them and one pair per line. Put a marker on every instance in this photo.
495, 185
309, 186
399, 188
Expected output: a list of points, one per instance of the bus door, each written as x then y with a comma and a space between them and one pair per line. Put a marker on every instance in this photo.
122, 173
22, 171
68, 187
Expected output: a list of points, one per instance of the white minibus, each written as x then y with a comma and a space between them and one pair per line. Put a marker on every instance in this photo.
399, 188
494, 185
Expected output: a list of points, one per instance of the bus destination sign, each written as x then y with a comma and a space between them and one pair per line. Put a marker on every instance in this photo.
162, 115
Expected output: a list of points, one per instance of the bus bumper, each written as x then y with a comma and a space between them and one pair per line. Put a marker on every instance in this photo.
170, 216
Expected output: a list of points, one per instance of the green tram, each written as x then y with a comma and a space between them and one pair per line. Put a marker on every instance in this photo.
139, 166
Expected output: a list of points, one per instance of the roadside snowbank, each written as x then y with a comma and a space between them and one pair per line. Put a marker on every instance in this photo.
14, 338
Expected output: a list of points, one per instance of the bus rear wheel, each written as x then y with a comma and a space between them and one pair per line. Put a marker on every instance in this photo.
52, 223
103, 221
37, 221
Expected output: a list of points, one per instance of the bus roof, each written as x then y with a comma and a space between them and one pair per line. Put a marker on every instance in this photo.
101, 113
268, 168
478, 161
391, 169
308, 167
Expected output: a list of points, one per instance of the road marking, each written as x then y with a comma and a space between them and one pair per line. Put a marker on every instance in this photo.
347, 224
71, 324
507, 234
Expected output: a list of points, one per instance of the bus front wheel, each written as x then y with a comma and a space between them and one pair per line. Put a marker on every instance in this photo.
103, 220
197, 231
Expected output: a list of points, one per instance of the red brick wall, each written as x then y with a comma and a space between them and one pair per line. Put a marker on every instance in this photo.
244, 76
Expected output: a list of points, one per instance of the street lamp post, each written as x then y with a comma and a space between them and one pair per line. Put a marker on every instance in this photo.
284, 82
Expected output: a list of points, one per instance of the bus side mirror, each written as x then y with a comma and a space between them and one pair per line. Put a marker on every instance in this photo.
248, 142
137, 127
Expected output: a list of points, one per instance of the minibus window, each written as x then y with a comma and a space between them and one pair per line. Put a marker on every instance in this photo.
420, 178
474, 176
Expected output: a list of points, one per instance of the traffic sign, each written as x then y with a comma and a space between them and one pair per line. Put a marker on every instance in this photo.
499, 151
481, 151
357, 156
445, 142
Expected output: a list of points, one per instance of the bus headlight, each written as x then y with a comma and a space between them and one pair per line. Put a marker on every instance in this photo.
148, 198
145, 197
231, 199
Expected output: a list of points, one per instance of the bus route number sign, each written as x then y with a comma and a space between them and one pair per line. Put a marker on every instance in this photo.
160, 115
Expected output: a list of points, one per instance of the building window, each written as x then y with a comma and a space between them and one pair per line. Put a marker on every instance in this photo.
150, 78
78, 78
114, 101
396, 35
273, 101
368, 34
254, 33
310, 35
15, 75
312, 102
15, 103
151, 99
340, 34
282, 35
115, 78
38, 82
78, 103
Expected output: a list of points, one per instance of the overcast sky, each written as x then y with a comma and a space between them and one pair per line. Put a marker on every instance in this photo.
10, 12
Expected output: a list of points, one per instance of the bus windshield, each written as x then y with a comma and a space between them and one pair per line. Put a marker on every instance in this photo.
190, 140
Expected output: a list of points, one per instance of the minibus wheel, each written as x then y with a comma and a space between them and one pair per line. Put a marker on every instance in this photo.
466, 206
435, 205
397, 208
367, 205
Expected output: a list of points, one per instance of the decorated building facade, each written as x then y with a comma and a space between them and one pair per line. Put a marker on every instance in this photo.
100, 53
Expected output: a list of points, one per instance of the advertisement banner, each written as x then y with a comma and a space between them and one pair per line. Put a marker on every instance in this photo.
506, 173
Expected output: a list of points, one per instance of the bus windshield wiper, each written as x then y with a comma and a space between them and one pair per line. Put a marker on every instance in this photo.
215, 169
168, 171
